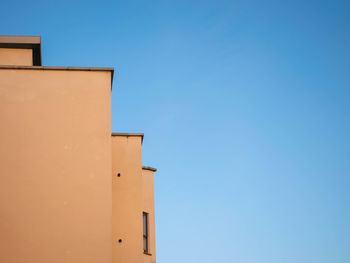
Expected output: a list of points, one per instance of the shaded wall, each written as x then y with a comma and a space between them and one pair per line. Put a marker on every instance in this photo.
148, 207
16, 56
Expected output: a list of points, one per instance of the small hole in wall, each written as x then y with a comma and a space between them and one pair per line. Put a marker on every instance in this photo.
118, 174
120, 240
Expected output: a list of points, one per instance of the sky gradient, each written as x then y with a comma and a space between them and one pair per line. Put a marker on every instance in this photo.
245, 109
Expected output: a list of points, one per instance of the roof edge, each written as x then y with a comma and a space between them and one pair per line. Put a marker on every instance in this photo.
20, 39
58, 68
110, 69
128, 134
149, 168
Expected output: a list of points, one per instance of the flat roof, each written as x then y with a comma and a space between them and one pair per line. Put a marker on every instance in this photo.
149, 168
25, 42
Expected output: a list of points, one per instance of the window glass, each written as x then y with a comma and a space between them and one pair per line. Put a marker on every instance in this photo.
145, 231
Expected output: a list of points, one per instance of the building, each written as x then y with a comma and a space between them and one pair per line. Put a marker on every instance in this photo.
70, 190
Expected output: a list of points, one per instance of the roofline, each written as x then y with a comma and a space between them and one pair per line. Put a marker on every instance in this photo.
25, 42
128, 134
20, 39
57, 68
149, 168
110, 69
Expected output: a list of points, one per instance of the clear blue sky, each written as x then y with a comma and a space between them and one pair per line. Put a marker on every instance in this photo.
245, 106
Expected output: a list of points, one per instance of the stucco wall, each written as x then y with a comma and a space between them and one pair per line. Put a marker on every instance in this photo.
55, 166
148, 207
127, 199
16, 56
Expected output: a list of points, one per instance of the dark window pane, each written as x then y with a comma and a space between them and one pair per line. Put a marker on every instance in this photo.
144, 224
145, 244
145, 231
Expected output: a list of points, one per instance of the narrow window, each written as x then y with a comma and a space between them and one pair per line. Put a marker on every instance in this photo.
145, 232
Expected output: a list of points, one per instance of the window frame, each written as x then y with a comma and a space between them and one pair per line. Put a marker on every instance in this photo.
145, 232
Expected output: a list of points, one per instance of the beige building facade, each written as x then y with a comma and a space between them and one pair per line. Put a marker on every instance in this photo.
70, 190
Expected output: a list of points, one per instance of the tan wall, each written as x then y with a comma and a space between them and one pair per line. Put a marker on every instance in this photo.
55, 166
148, 207
127, 199
16, 56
